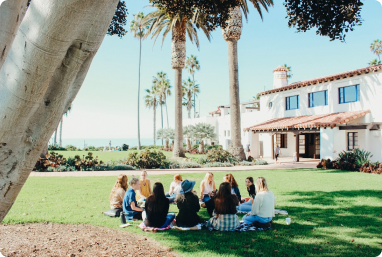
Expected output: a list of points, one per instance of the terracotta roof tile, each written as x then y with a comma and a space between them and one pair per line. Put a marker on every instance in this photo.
311, 82
280, 68
218, 111
309, 121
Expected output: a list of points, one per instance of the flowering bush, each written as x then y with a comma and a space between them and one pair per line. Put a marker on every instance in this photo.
220, 155
146, 159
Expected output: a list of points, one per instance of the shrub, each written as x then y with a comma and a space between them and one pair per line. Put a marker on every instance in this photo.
183, 165
196, 146
146, 159
52, 160
202, 160
216, 147
245, 163
218, 164
260, 162
220, 155
125, 147
71, 148
56, 148
123, 167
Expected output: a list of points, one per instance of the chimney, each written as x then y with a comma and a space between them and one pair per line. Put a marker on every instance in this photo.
280, 77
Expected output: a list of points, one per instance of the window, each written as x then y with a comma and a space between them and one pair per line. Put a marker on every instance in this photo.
229, 133
270, 105
301, 144
348, 94
318, 98
352, 140
225, 133
281, 140
292, 102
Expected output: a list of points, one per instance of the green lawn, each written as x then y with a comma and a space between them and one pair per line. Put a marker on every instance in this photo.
328, 210
114, 155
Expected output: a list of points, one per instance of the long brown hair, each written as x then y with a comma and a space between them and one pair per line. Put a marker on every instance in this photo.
120, 183
224, 203
158, 198
231, 180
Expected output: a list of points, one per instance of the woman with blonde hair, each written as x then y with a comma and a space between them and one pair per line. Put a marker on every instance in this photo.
118, 192
130, 206
207, 186
144, 190
263, 206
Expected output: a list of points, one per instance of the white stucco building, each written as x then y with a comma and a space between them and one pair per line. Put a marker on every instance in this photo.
316, 118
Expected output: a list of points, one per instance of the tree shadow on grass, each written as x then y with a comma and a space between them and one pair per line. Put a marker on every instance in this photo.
325, 227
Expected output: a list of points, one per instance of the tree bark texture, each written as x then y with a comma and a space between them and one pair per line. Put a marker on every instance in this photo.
232, 34
201, 146
188, 144
11, 14
178, 47
139, 91
42, 74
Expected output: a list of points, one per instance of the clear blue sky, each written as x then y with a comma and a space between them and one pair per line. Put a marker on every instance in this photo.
106, 106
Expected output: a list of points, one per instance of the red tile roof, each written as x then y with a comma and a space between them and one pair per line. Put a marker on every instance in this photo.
280, 68
338, 76
309, 121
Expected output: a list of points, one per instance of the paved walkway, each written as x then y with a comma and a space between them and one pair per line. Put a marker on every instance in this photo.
285, 163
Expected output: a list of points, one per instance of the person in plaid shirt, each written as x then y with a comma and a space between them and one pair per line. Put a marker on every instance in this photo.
224, 217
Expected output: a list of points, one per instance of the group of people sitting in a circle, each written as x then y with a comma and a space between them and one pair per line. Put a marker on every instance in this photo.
222, 204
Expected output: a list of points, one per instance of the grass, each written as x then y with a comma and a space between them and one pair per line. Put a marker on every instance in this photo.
115, 155
328, 210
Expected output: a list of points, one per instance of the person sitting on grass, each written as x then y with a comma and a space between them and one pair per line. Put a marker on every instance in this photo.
224, 217
144, 190
246, 206
263, 206
188, 205
156, 209
130, 207
118, 192
175, 188
207, 186
235, 187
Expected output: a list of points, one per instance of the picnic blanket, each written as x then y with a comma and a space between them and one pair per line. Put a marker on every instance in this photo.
197, 227
148, 229
243, 228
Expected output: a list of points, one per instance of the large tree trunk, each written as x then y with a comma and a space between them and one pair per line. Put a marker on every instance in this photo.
166, 112
167, 144
11, 14
43, 72
155, 121
193, 80
232, 34
178, 48
188, 144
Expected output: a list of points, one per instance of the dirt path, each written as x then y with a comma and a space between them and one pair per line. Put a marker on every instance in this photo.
286, 163
75, 240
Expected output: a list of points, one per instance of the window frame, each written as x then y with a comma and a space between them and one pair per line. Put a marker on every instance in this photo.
287, 102
282, 140
311, 98
354, 138
341, 94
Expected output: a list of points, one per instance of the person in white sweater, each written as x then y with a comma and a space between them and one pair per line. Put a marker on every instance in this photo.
263, 206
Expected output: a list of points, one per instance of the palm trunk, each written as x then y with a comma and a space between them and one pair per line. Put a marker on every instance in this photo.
155, 118
193, 80
139, 90
178, 48
232, 34
166, 112
167, 143
62, 120
161, 117
31, 109
188, 144
189, 105
201, 146
55, 137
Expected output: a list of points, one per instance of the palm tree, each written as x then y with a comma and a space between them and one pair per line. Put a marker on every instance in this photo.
192, 65
289, 70
188, 132
231, 34
157, 81
62, 120
138, 27
179, 25
151, 100
166, 134
376, 48
189, 88
203, 131
375, 62
164, 89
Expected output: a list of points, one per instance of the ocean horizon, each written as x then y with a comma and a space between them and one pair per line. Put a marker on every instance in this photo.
97, 142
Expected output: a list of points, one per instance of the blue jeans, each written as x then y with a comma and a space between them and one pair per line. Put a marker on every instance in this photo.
245, 207
171, 197
206, 198
170, 217
249, 219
